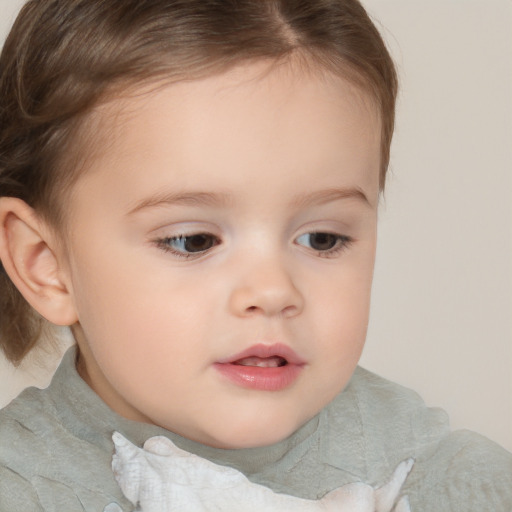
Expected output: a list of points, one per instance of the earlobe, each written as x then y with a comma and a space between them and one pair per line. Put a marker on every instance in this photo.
27, 252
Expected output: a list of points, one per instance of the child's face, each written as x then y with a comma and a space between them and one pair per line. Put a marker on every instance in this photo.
228, 220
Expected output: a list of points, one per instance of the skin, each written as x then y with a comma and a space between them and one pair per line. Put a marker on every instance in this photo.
256, 159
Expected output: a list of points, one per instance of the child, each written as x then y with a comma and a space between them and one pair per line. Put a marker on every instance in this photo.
192, 187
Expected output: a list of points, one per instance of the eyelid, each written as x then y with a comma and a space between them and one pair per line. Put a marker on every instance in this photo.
182, 228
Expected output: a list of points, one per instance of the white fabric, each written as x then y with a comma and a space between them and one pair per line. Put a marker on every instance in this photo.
163, 478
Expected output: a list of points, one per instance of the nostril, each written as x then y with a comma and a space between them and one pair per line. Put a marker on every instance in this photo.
266, 299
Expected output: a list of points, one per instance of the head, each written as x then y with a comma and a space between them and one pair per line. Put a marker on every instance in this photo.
173, 263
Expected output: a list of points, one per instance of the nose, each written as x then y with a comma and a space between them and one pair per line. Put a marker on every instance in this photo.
266, 289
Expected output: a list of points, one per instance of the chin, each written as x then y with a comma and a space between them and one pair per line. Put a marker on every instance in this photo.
253, 436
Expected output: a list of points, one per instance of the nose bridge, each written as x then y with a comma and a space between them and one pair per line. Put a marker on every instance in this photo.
265, 285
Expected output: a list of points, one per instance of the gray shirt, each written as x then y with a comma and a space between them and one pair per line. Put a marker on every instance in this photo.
56, 450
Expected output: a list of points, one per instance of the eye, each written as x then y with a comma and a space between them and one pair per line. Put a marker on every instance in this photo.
327, 244
188, 245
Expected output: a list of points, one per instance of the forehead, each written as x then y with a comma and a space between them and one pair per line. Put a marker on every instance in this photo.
255, 116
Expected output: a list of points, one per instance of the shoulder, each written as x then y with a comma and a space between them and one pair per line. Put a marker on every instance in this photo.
12, 487
453, 471
466, 473
393, 420
49, 461
23, 451
14, 480
25, 425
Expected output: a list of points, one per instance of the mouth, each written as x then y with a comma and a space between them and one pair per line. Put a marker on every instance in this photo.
262, 367
265, 356
265, 362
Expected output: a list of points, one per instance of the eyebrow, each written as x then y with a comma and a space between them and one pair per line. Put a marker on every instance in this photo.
182, 198
330, 195
223, 199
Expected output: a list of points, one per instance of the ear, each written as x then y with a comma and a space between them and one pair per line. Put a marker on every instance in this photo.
28, 251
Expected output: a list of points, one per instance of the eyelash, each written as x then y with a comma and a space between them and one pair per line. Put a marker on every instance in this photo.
165, 244
342, 242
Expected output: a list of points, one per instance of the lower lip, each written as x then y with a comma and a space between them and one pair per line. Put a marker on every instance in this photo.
256, 377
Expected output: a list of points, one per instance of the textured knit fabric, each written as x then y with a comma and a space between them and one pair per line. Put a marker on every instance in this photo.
56, 450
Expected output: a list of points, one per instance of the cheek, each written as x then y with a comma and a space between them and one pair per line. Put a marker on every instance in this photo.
138, 308
342, 308
343, 324
141, 332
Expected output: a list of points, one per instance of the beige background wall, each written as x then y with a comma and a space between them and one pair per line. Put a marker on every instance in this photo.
442, 309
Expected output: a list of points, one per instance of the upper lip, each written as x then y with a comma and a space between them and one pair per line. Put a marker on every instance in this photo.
263, 351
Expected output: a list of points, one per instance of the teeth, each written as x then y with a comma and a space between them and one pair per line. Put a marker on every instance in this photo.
268, 362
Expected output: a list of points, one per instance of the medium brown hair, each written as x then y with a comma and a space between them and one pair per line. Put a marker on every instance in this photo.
63, 57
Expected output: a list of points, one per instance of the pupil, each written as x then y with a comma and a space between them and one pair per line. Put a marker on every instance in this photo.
322, 241
198, 243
